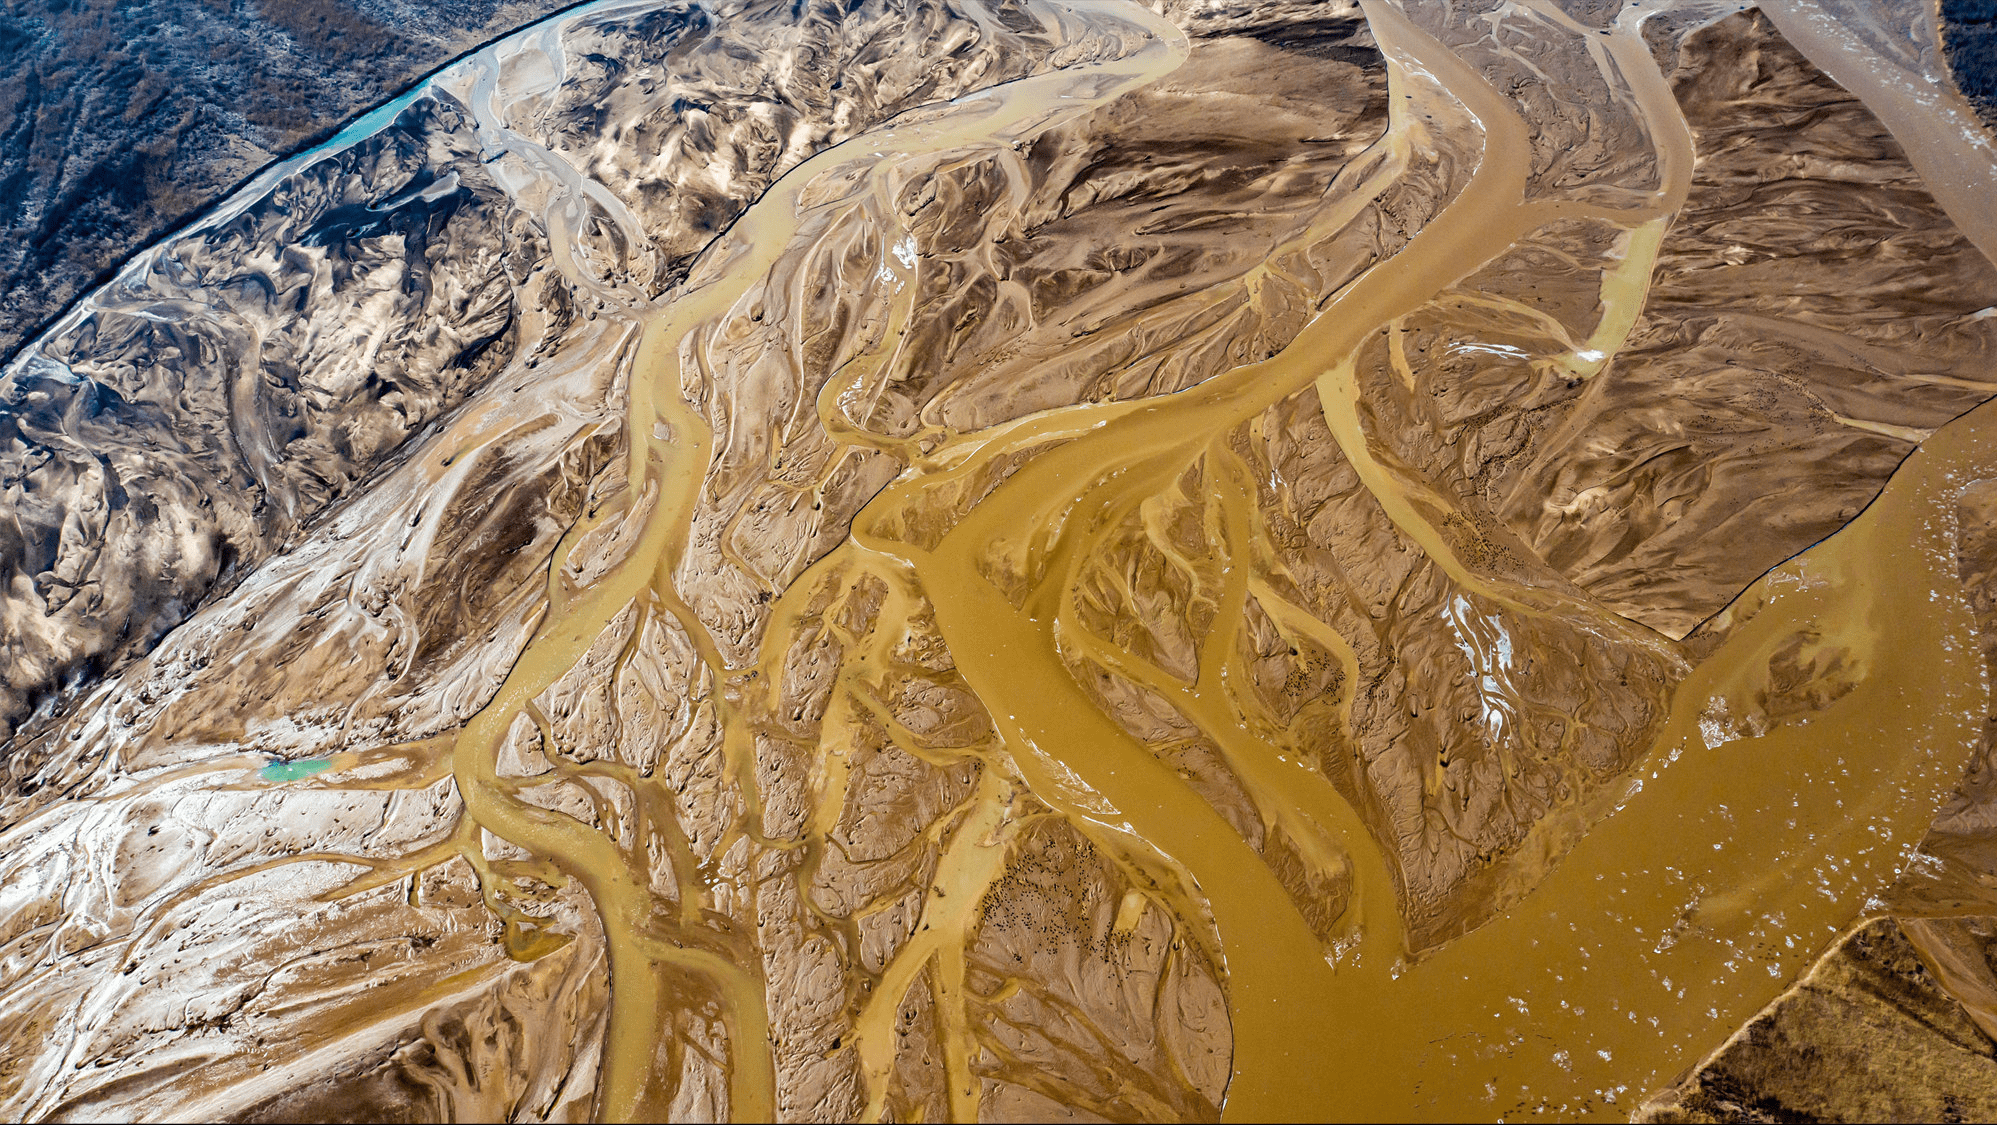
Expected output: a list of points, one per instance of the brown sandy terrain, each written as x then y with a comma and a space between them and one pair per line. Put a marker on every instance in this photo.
954, 561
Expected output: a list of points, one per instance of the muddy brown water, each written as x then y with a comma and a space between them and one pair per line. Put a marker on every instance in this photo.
1726, 864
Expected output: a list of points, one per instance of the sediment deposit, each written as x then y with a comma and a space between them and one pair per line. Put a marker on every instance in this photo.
925, 559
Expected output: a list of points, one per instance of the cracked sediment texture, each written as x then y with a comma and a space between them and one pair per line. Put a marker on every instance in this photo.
943, 560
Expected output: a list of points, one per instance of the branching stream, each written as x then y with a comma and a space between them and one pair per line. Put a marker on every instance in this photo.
948, 547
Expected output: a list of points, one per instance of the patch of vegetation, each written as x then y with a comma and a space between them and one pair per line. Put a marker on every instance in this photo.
1969, 40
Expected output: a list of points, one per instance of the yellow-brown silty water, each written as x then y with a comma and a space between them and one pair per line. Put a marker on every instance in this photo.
1724, 864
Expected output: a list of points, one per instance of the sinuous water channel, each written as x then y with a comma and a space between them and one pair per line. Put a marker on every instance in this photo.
1305, 1030
1699, 882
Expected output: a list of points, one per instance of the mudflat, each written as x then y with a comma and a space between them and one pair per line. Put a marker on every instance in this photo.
920, 560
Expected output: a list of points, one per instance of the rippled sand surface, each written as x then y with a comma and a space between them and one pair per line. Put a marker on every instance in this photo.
921, 560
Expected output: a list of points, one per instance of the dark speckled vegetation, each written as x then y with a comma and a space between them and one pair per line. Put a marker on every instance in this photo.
120, 120
1969, 38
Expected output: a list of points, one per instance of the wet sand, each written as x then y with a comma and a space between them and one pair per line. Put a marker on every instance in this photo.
1085, 593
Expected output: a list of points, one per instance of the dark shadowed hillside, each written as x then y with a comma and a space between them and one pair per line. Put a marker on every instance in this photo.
1969, 38
118, 120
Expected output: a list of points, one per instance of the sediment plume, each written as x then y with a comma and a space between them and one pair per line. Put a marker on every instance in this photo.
961, 560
